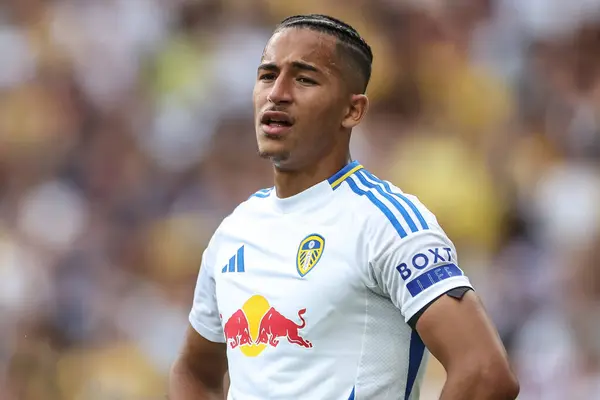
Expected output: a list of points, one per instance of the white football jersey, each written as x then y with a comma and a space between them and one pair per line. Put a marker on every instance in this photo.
313, 293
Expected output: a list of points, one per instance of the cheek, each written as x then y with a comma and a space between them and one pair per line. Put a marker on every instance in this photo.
324, 114
320, 124
258, 98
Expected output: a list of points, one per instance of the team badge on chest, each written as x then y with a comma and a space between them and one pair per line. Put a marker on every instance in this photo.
309, 253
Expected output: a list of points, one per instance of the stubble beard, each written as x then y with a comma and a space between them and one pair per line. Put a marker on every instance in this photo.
276, 157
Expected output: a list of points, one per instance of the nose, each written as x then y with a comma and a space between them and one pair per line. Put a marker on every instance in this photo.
280, 91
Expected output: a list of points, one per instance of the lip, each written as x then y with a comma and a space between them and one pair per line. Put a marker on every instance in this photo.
276, 115
276, 130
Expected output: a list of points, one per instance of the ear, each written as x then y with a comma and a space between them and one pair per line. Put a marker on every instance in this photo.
356, 110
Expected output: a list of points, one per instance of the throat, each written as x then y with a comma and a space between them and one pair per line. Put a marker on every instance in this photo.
290, 182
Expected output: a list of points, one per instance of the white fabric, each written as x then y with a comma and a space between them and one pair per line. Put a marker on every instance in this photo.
356, 301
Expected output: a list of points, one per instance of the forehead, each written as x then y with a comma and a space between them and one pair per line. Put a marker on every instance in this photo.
301, 44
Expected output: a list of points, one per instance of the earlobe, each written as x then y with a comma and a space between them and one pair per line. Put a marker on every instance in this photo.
359, 104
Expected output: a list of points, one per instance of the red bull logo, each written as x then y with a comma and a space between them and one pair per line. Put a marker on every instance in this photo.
237, 330
258, 325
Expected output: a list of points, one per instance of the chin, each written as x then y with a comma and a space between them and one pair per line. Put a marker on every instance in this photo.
275, 156
273, 149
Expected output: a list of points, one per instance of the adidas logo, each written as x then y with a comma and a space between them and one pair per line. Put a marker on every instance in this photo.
236, 263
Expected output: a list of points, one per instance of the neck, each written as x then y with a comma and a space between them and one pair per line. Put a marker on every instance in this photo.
291, 182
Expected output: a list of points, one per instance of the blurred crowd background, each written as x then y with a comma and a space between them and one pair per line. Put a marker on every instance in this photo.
126, 135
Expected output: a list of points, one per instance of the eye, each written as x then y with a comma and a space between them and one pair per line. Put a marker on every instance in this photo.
267, 77
306, 81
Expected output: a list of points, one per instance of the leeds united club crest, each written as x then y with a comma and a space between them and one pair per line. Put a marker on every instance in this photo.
309, 253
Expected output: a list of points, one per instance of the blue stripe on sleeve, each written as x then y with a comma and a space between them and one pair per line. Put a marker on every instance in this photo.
382, 207
412, 205
377, 186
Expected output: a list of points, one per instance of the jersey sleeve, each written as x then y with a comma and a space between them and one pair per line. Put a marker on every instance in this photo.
204, 316
415, 270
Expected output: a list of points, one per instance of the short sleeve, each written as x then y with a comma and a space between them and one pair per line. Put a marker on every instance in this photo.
204, 316
415, 270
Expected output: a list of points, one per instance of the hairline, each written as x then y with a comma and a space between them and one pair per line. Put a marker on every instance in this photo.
342, 52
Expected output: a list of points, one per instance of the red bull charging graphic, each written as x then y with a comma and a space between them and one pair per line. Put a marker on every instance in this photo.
258, 325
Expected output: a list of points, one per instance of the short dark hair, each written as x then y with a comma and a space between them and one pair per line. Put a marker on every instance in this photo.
350, 42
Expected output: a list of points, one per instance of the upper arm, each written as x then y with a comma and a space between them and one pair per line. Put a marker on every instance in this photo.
420, 274
458, 333
203, 359
204, 353
205, 347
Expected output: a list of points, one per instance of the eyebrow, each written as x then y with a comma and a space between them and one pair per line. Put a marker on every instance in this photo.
295, 64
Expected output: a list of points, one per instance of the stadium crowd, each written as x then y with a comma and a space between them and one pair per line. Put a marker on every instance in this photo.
126, 135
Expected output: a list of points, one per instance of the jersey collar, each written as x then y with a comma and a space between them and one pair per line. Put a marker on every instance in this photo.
317, 195
339, 177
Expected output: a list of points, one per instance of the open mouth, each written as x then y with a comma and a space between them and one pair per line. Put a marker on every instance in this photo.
276, 122
276, 118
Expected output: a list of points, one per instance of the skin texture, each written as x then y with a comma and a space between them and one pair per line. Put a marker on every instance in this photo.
462, 337
198, 373
303, 74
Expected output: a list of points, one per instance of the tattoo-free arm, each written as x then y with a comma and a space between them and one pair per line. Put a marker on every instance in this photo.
461, 336
198, 372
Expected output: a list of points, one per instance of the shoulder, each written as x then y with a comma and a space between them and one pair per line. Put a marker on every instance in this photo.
227, 232
386, 209
255, 204
259, 194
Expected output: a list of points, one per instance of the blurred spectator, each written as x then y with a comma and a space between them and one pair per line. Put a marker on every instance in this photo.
126, 135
